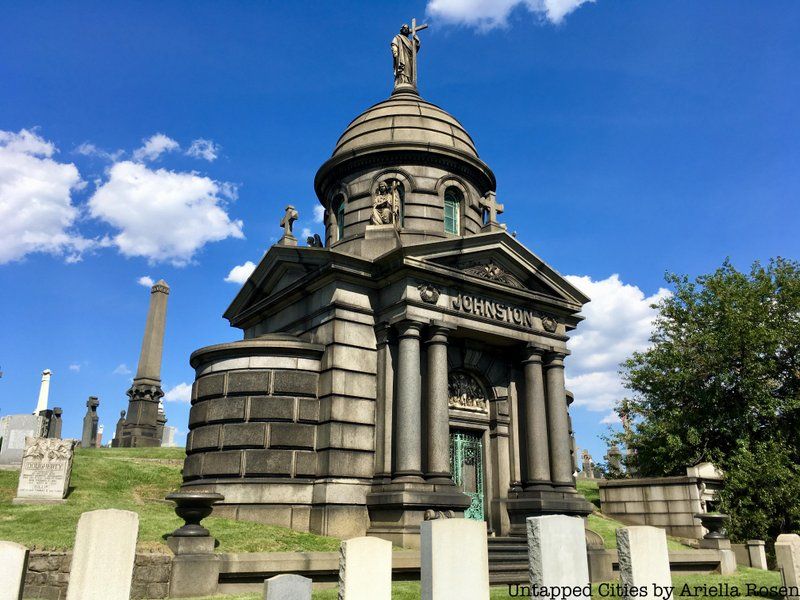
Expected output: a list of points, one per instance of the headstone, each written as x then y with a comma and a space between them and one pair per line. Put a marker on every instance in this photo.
557, 555
287, 587
643, 560
103, 556
787, 555
45, 472
756, 554
55, 424
118, 430
89, 436
454, 560
13, 565
365, 569
13, 431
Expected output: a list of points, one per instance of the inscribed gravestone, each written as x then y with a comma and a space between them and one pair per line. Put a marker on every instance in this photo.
557, 553
287, 587
103, 556
13, 431
787, 554
365, 569
643, 560
454, 560
45, 472
13, 564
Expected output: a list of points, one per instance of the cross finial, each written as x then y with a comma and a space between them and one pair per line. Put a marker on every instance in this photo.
491, 208
289, 217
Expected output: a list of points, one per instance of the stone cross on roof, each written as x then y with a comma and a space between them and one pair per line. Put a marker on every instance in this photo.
491, 208
287, 221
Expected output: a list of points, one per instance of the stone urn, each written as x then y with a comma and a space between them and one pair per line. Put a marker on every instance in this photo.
715, 523
193, 507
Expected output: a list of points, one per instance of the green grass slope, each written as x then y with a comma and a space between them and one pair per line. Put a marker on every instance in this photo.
135, 479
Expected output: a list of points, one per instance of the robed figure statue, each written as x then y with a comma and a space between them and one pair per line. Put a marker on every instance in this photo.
403, 51
386, 204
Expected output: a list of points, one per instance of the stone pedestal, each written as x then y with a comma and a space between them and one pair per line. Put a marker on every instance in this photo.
380, 239
532, 502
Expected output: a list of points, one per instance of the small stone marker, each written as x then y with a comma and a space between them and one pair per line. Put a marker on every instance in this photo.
287, 587
365, 569
557, 555
787, 554
103, 557
13, 565
644, 560
454, 560
757, 555
46, 468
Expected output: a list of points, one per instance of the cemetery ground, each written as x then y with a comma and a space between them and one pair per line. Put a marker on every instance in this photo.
138, 480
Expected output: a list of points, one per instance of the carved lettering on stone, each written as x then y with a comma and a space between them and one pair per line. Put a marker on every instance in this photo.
46, 468
466, 393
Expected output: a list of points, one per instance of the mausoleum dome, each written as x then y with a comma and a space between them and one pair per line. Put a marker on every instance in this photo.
404, 120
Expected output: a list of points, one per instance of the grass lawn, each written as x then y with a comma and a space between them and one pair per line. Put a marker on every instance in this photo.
134, 479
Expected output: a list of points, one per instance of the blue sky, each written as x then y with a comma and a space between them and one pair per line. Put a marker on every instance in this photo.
628, 139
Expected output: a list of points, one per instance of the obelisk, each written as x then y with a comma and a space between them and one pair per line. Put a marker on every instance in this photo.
141, 422
44, 392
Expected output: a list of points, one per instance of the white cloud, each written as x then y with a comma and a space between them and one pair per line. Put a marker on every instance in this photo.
489, 14
205, 149
241, 273
163, 215
89, 149
145, 280
75, 368
121, 370
305, 234
154, 147
319, 213
36, 210
180, 393
618, 322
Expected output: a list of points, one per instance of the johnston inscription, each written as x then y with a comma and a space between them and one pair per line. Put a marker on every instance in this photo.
46, 468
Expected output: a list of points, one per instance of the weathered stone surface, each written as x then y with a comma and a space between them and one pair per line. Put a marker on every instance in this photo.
193, 466
225, 409
305, 464
291, 435
244, 435
210, 386
643, 558
298, 383
287, 587
365, 569
454, 560
271, 408
13, 562
203, 438
249, 382
103, 556
223, 463
268, 462
557, 553
46, 469
787, 554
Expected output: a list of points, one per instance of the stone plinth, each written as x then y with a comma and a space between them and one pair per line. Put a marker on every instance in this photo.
454, 560
45, 473
557, 553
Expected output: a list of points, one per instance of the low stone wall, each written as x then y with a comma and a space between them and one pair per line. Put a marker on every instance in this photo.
48, 575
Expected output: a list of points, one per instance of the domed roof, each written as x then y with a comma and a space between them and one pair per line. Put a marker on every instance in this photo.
404, 119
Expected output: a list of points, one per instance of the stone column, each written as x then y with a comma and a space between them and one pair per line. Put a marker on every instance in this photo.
44, 392
438, 414
383, 404
558, 421
536, 435
408, 429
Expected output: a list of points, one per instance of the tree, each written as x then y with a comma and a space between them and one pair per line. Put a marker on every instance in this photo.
721, 383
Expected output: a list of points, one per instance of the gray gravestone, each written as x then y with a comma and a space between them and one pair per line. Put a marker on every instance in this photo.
643, 560
13, 565
365, 569
557, 553
46, 468
787, 554
89, 435
13, 431
287, 587
103, 556
454, 560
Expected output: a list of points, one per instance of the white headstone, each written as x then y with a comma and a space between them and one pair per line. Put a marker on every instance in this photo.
103, 556
454, 560
787, 555
13, 431
46, 468
557, 556
287, 587
643, 561
757, 555
365, 569
13, 564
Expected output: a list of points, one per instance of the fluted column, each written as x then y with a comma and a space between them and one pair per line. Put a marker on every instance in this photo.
408, 428
536, 435
558, 420
438, 414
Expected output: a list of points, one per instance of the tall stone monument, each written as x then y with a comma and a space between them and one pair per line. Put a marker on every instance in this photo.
89, 434
44, 392
141, 424
413, 364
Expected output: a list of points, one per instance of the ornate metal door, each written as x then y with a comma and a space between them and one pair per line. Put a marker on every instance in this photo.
466, 464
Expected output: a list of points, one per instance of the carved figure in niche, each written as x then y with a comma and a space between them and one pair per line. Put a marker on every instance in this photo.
386, 204
466, 393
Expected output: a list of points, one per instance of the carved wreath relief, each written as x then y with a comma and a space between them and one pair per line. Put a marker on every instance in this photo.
428, 293
48, 450
466, 393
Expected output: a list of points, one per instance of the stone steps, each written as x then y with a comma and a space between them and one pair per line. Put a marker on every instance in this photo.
508, 560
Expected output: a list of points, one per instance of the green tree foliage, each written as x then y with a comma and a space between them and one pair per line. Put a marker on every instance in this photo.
721, 383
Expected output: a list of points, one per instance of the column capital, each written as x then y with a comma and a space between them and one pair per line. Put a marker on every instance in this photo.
408, 328
438, 332
533, 354
555, 360
382, 332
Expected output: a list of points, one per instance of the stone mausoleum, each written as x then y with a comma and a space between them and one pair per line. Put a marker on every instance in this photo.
408, 366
